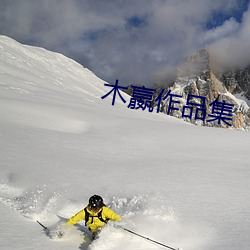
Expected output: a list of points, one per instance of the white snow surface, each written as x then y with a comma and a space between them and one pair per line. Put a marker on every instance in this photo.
185, 186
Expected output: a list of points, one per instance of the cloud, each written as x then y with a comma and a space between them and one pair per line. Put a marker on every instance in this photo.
134, 41
228, 28
233, 49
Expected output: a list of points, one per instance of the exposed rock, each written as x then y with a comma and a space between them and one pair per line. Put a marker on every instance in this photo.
237, 81
195, 77
238, 120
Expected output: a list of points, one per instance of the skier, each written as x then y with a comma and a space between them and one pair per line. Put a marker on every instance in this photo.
95, 214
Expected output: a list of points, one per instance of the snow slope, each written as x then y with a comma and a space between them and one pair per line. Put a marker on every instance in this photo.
183, 185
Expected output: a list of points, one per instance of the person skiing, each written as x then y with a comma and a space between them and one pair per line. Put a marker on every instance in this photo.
95, 214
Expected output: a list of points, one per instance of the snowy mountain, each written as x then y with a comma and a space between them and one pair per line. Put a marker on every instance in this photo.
183, 185
197, 77
237, 81
200, 88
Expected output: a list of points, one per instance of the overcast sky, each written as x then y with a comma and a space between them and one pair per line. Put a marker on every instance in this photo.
135, 41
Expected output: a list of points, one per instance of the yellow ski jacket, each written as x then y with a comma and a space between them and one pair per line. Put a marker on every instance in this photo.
94, 223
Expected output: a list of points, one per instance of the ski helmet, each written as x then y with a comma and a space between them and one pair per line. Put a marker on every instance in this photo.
95, 202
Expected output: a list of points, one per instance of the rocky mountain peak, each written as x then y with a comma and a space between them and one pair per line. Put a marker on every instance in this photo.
197, 64
199, 76
195, 76
237, 81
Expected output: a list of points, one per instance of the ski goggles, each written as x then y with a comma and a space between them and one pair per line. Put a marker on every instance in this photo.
94, 208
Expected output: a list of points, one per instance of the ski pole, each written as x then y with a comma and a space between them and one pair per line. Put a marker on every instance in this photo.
146, 238
45, 228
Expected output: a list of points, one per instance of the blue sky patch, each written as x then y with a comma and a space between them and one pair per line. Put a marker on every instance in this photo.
136, 21
219, 17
